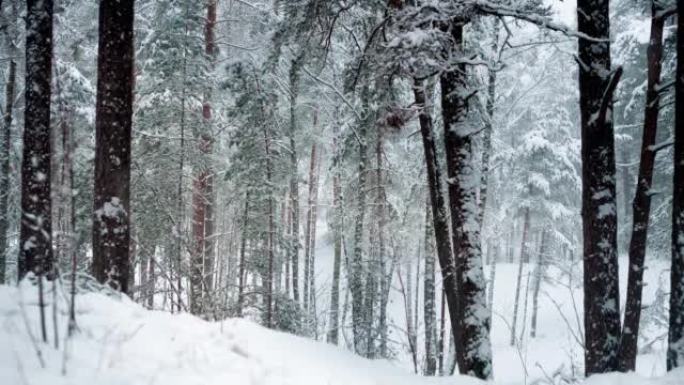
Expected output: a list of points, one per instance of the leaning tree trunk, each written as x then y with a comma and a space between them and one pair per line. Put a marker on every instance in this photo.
523, 258
114, 111
439, 210
5, 166
35, 238
675, 350
473, 347
599, 217
642, 198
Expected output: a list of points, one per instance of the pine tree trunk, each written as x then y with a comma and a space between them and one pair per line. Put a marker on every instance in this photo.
35, 239
538, 279
333, 332
357, 268
521, 262
294, 180
307, 235
642, 198
473, 347
312, 253
5, 166
429, 312
487, 133
599, 217
271, 230
675, 350
442, 335
242, 267
439, 210
111, 224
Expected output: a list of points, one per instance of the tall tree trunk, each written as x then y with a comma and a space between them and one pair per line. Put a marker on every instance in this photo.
5, 164
356, 267
111, 224
439, 210
294, 179
307, 234
333, 332
521, 262
473, 347
312, 253
442, 335
599, 217
202, 222
675, 349
538, 279
35, 238
489, 121
642, 198
242, 267
429, 312
271, 230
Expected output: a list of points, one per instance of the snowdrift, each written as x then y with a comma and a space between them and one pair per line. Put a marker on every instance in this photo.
119, 342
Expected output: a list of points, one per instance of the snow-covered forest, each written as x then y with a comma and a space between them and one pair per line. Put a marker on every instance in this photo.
342, 191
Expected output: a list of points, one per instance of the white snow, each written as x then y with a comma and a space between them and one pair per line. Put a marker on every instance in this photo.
120, 342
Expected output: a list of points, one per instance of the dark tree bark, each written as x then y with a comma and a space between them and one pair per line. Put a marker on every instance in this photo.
294, 179
114, 110
333, 332
473, 347
599, 217
438, 204
641, 207
356, 284
5, 166
242, 267
35, 239
307, 234
675, 350
429, 312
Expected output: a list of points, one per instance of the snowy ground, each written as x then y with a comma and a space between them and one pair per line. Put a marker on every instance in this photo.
120, 342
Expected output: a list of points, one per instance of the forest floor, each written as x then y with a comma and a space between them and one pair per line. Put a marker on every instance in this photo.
120, 342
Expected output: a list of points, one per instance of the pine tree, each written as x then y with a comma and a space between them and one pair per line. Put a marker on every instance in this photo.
36, 219
675, 348
596, 85
115, 82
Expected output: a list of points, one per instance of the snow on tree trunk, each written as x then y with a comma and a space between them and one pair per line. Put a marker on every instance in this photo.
333, 332
356, 284
439, 210
111, 222
429, 312
473, 347
642, 198
521, 263
294, 180
5, 167
242, 267
675, 350
307, 235
538, 279
599, 217
35, 239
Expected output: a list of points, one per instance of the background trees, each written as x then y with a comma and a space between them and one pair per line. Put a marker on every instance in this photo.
281, 157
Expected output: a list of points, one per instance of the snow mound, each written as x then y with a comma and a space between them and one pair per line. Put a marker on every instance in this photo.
121, 343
